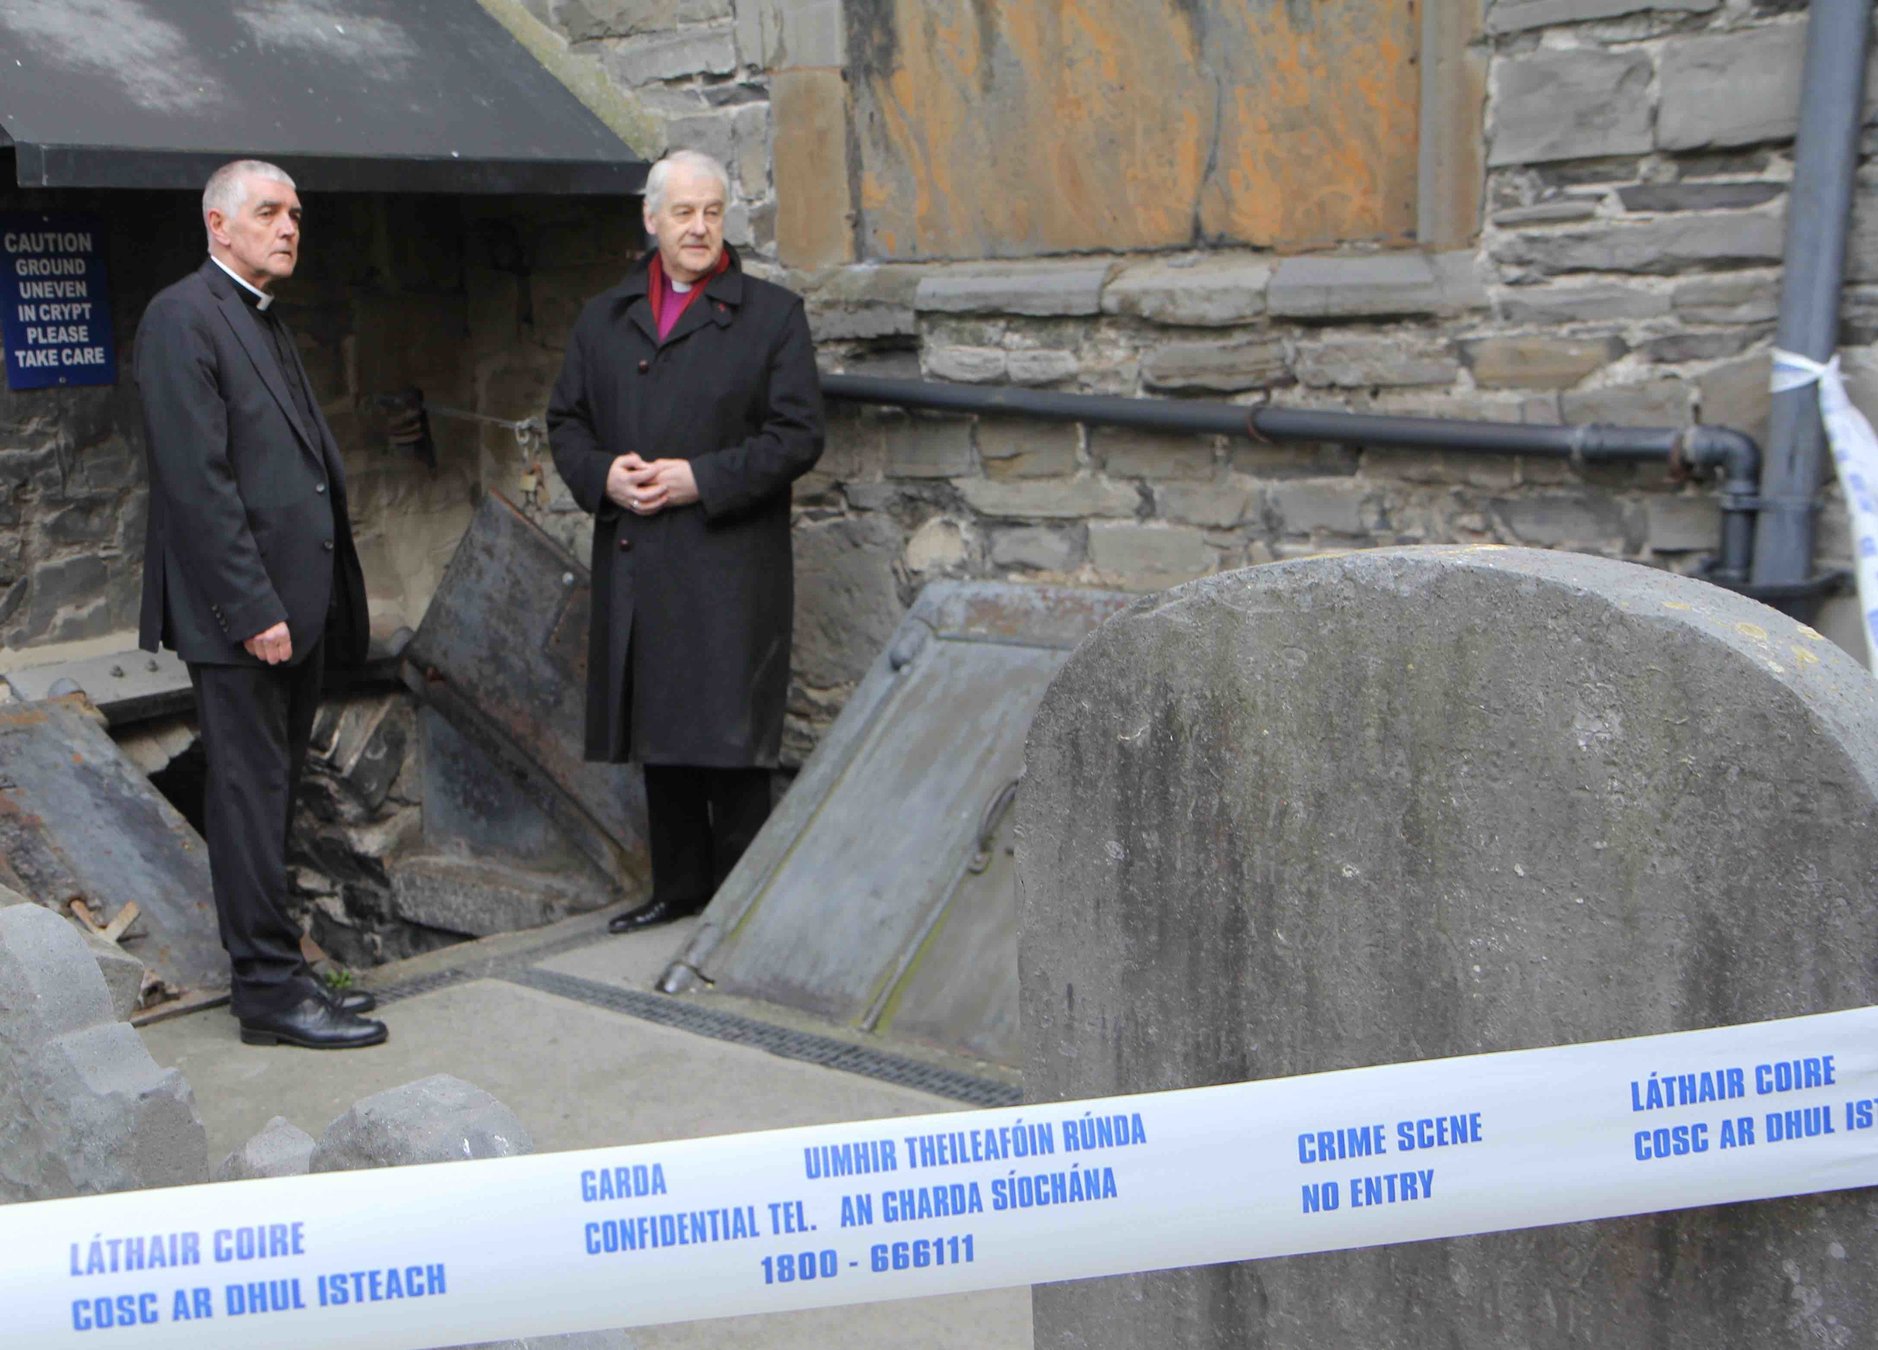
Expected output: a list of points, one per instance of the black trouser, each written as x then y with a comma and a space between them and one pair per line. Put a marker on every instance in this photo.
256, 721
700, 822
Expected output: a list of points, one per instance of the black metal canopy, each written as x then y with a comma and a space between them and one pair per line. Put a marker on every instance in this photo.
346, 95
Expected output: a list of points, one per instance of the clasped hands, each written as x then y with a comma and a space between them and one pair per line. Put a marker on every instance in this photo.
647, 486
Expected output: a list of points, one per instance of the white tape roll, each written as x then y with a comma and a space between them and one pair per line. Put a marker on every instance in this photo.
430, 1256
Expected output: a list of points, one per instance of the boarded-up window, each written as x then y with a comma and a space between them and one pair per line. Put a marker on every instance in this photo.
990, 128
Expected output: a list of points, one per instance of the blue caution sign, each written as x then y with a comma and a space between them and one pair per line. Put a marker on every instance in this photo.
55, 304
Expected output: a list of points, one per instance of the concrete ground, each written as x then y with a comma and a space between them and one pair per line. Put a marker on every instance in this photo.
581, 1075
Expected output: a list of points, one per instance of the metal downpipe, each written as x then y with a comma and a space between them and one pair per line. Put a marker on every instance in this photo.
1818, 214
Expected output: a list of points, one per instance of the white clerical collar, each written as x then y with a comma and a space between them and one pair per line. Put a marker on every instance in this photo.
682, 287
261, 298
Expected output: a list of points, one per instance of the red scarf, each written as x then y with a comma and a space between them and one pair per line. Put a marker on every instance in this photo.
655, 292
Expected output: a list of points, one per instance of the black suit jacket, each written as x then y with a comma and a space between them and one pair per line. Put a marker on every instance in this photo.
248, 519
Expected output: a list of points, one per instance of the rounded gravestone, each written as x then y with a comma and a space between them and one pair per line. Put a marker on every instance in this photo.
1427, 802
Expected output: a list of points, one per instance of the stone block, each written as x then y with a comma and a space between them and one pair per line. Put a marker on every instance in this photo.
1516, 16
93, 1114
1732, 298
1597, 301
1407, 804
433, 1120
1538, 362
1196, 291
1735, 394
1697, 196
847, 601
1731, 88
1581, 520
1342, 506
482, 897
1652, 403
868, 300
1043, 289
967, 365
936, 547
1214, 506
921, 446
122, 972
1356, 286
49, 981
1042, 367
1023, 449
814, 202
1366, 363
750, 132
1148, 557
1682, 524
712, 131
1581, 103
672, 55
792, 34
1035, 548
1547, 213
1679, 348
1662, 246
1049, 499
1220, 367
281, 1149
1126, 453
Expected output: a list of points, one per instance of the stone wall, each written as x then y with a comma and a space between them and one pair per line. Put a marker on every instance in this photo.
1603, 188
469, 299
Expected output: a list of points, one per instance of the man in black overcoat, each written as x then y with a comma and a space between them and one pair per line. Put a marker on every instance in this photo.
687, 405
250, 575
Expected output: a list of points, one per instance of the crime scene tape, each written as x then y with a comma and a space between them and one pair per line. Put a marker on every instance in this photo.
415, 1257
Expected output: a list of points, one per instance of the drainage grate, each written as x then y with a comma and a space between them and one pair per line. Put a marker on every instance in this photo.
684, 1015
423, 984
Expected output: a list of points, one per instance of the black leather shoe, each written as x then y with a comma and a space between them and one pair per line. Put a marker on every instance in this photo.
354, 1001
314, 1024
650, 915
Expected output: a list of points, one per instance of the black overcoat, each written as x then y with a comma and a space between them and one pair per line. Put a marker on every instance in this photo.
248, 519
688, 654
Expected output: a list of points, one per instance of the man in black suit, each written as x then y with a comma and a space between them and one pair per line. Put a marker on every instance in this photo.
251, 576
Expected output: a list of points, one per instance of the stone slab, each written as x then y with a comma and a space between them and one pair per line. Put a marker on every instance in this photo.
1218, 367
1407, 804
1597, 300
1664, 245
1042, 289
1354, 286
814, 225
82, 820
1538, 362
1515, 16
1193, 291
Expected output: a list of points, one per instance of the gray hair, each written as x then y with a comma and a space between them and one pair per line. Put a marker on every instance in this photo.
690, 159
227, 186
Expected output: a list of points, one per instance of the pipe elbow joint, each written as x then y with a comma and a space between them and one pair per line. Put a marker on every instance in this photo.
1734, 452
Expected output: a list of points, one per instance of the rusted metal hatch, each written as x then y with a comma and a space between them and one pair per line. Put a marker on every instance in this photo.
882, 893
502, 655
78, 820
